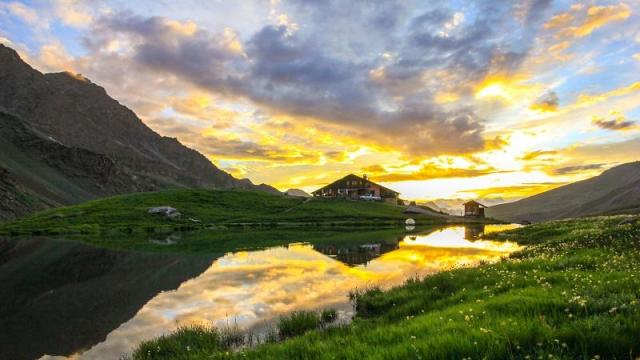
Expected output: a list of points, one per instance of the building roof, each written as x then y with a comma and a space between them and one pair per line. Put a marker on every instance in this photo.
474, 202
352, 176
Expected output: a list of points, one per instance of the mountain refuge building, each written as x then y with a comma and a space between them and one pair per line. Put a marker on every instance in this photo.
473, 209
357, 188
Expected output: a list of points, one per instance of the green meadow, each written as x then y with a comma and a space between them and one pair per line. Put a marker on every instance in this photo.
200, 209
572, 293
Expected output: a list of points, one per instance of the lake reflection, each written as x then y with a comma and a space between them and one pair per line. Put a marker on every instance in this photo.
252, 288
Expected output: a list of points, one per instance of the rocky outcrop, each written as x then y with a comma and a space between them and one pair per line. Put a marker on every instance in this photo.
14, 201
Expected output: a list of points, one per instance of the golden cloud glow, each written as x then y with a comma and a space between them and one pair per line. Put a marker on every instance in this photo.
598, 16
186, 28
509, 89
592, 99
516, 191
581, 21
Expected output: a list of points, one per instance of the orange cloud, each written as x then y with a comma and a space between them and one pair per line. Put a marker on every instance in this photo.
425, 172
517, 191
559, 21
580, 21
537, 154
589, 99
598, 16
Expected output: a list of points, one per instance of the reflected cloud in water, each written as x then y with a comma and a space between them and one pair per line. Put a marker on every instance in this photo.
249, 289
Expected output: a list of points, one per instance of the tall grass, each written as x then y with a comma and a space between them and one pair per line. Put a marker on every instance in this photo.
298, 323
190, 341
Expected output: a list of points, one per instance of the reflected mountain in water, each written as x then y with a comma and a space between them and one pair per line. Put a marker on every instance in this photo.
60, 297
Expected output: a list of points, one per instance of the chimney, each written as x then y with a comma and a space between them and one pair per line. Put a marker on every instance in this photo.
365, 177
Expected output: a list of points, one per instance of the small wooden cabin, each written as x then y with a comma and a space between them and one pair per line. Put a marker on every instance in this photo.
474, 209
356, 187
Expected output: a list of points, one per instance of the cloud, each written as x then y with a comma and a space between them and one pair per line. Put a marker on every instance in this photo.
426, 171
512, 192
20, 10
314, 74
546, 103
615, 121
73, 13
580, 20
534, 155
578, 169
592, 99
598, 16
236, 149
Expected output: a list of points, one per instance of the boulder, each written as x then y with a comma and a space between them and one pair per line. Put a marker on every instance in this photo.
166, 211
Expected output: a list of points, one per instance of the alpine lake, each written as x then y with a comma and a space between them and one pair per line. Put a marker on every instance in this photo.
64, 298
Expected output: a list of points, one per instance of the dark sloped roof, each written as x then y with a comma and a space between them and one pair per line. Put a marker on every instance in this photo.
359, 178
474, 202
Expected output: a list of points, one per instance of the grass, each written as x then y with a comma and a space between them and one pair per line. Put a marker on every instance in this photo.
189, 341
200, 341
298, 323
126, 214
573, 293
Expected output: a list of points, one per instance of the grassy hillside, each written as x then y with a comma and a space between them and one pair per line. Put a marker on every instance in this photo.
573, 293
202, 208
615, 191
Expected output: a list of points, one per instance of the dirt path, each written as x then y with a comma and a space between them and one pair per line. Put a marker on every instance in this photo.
300, 204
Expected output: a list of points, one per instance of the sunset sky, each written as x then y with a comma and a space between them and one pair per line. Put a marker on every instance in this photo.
435, 99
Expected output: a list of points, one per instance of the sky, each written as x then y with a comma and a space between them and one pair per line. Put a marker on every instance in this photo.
438, 100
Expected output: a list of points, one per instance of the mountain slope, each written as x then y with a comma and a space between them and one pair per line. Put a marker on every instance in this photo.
73, 120
614, 191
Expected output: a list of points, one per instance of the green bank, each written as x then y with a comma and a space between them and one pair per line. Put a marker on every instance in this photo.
210, 209
572, 293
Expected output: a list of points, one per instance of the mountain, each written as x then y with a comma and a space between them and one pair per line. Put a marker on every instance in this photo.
297, 193
64, 140
616, 190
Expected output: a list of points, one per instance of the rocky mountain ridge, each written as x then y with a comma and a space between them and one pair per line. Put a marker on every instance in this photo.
64, 126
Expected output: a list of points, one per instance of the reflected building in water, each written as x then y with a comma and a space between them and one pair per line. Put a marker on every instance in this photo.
357, 254
473, 231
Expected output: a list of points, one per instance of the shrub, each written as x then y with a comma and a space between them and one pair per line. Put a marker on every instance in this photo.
297, 323
328, 316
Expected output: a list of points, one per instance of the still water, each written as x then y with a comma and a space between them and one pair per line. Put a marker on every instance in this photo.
73, 300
